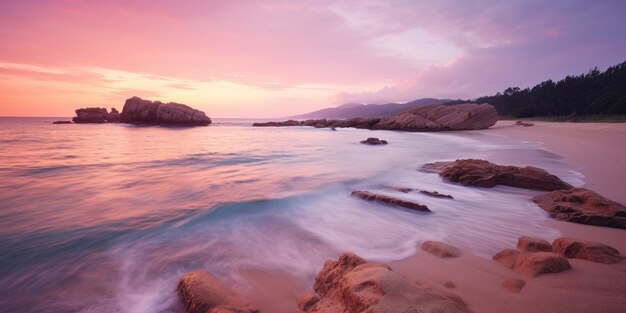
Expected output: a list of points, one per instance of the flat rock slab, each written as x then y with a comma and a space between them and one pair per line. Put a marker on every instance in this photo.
579, 205
441, 249
483, 173
586, 250
390, 200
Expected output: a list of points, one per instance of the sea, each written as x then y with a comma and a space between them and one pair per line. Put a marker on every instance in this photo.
107, 217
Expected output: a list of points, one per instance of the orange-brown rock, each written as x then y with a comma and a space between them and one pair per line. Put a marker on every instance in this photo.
390, 200
583, 206
514, 285
533, 244
507, 257
440, 249
200, 292
586, 250
538, 263
351, 284
483, 173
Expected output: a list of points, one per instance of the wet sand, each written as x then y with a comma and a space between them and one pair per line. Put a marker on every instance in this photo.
600, 151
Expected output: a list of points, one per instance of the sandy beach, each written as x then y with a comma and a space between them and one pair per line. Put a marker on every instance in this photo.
588, 287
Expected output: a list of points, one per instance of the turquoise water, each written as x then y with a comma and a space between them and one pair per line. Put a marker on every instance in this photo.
105, 218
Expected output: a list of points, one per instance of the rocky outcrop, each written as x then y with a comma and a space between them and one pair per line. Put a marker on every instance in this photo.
139, 111
390, 200
533, 244
441, 249
374, 141
351, 284
113, 116
586, 250
90, 115
582, 206
427, 118
483, 173
200, 292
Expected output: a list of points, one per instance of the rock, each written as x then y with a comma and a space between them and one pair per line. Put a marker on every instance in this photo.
507, 257
449, 285
277, 124
435, 194
440, 249
351, 284
513, 285
200, 292
533, 244
139, 111
399, 189
538, 263
62, 122
390, 200
483, 173
435, 117
374, 141
525, 124
586, 250
90, 115
583, 206
113, 116
333, 128
306, 302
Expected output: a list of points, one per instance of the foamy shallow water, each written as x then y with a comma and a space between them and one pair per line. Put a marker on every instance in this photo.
105, 218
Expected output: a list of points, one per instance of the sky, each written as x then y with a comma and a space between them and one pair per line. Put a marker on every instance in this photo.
278, 58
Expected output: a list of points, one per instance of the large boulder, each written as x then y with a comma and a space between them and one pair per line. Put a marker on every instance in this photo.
351, 284
583, 206
483, 173
140, 111
90, 115
586, 250
538, 263
366, 195
201, 292
427, 118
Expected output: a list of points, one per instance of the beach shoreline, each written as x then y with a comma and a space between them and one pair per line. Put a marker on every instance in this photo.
588, 287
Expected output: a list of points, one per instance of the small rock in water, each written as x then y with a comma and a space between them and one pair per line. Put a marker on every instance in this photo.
435, 194
62, 122
441, 249
390, 200
201, 292
525, 124
374, 141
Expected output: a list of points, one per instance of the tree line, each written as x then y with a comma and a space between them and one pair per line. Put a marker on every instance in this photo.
593, 93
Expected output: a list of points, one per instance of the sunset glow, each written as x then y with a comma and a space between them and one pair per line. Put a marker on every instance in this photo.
276, 58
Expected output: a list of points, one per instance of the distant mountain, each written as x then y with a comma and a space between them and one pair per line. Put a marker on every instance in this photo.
349, 110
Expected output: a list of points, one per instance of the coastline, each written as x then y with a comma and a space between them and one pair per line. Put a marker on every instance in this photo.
588, 287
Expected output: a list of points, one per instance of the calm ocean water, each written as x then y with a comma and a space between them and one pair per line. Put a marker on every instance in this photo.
106, 218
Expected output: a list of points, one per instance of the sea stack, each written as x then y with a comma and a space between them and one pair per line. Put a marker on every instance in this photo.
140, 111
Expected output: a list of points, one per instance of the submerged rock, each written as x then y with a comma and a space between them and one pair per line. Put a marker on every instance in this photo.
351, 284
90, 115
140, 111
201, 292
483, 173
390, 200
373, 141
441, 249
582, 206
435, 117
435, 194
586, 250
62, 122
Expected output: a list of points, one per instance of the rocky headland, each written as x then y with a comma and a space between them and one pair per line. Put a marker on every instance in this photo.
429, 118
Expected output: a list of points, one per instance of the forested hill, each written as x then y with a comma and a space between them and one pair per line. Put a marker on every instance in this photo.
587, 94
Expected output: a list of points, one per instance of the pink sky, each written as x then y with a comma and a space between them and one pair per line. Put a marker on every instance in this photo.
277, 58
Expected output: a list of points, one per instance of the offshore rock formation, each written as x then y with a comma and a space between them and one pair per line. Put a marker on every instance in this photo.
427, 118
366, 195
90, 115
582, 206
200, 292
352, 284
113, 116
139, 111
483, 173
